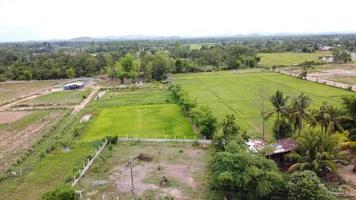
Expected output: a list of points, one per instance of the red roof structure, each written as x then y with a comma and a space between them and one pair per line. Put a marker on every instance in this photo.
284, 145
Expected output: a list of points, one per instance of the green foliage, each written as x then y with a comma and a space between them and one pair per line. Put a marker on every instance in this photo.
329, 118
282, 129
60, 193
201, 116
297, 112
238, 170
341, 55
112, 139
279, 103
317, 151
306, 185
70, 72
161, 66
127, 67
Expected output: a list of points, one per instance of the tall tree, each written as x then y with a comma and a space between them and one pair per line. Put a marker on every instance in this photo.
329, 118
279, 103
297, 112
127, 67
317, 151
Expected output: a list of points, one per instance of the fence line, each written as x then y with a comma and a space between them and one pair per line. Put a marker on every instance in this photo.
87, 164
136, 139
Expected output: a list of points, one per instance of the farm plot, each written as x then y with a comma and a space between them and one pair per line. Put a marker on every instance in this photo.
140, 121
59, 98
16, 89
240, 93
287, 59
69, 150
18, 135
184, 166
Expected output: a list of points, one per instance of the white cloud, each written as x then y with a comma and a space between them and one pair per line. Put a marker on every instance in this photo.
49, 19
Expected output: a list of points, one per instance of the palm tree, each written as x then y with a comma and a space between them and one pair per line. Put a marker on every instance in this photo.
279, 103
329, 118
297, 112
317, 151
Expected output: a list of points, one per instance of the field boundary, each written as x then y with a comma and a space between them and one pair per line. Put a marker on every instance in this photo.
317, 80
87, 164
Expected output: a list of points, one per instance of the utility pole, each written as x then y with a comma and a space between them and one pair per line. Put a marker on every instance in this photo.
129, 164
262, 97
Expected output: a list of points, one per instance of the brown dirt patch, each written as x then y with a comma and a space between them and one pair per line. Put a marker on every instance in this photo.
10, 117
349, 176
14, 143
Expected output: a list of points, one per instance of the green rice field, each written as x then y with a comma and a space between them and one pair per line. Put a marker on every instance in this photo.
151, 121
239, 93
289, 58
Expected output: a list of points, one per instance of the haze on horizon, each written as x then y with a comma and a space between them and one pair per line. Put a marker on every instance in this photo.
22, 20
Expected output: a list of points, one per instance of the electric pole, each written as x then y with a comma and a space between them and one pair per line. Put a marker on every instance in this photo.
129, 164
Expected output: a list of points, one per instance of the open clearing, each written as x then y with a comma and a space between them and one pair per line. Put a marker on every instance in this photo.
183, 165
59, 98
238, 93
140, 121
10, 117
16, 89
287, 59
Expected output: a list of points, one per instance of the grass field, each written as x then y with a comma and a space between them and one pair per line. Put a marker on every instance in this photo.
140, 121
13, 90
61, 98
237, 92
184, 166
289, 58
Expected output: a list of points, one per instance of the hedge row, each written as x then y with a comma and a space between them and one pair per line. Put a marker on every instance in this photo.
201, 116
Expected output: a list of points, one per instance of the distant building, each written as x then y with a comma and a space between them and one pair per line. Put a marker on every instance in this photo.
74, 85
327, 59
325, 48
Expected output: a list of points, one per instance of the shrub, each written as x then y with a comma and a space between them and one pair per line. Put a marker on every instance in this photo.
237, 170
285, 129
202, 117
306, 185
112, 139
59, 193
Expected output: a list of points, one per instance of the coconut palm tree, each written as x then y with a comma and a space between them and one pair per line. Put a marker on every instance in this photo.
329, 118
297, 112
317, 151
279, 103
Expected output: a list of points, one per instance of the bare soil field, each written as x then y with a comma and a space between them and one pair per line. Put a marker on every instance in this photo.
16, 89
183, 166
18, 136
10, 117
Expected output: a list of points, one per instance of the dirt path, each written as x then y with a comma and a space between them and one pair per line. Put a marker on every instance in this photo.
84, 103
349, 176
33, 96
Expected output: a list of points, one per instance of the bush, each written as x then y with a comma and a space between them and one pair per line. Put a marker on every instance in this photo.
112, 139
202, 117
285, 129
59, 193
307, 186
237, 170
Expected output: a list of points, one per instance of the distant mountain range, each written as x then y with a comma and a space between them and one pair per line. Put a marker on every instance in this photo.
123, 38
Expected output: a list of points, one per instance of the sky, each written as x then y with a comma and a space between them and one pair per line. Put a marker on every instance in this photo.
22, 20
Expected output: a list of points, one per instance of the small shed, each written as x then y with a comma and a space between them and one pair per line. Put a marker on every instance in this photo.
74, 85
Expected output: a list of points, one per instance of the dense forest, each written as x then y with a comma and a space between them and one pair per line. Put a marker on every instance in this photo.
150, 59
